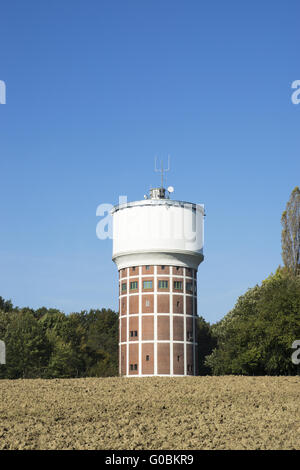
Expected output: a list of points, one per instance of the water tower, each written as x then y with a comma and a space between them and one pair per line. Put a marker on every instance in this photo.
157, 247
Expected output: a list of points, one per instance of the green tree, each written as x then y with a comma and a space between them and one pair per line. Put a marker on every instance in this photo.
27, 348
290, 237
66, 336
62, 362
255, 337
102, 343
206, 344
5, 305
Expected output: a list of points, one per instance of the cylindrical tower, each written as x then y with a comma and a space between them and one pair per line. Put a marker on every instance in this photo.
157, 247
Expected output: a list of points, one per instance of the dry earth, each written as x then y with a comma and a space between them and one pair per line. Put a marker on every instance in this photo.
151, 413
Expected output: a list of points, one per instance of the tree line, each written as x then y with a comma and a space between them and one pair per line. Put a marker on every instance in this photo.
254, 338
47, 343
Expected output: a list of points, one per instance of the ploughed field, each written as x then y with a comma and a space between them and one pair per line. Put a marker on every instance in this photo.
151, 413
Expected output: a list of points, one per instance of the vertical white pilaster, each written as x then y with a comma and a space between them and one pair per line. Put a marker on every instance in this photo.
171, 322
155, 319
127, 316
140, 320
120, 322
194, 327
184, 320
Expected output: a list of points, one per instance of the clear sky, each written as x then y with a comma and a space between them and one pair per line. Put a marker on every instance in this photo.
95, 89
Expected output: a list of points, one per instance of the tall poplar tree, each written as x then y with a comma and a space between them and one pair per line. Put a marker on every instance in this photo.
290, 236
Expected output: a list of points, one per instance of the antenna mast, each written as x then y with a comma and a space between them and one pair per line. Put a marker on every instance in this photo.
160, 193
162, 169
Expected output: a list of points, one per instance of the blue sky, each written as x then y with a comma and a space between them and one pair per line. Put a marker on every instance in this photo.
96, 89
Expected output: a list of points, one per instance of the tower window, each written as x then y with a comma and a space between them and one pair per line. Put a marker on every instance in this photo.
133, 268
147, 358
147, 303
147, 284
163, 284
133, 333
178, 285
147, 268
189, 287
133, 285
133, 366
178, 358
162, 267
124, 286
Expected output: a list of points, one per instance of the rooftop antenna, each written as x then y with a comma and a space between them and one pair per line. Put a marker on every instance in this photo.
162, 169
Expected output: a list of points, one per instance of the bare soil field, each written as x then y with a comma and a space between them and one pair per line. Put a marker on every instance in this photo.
151, 413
